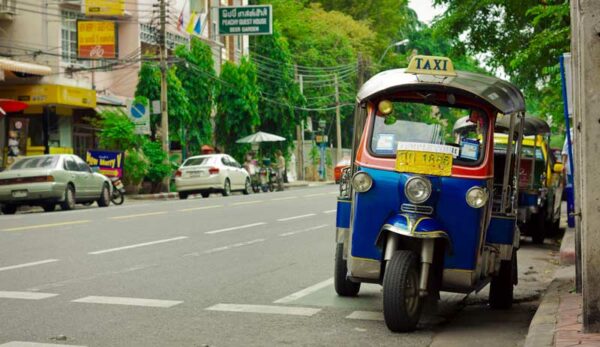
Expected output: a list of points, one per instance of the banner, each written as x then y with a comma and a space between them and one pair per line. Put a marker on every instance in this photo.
108, 163
96, 39
104, 7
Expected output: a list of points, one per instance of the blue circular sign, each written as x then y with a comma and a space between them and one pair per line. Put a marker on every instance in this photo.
138, 111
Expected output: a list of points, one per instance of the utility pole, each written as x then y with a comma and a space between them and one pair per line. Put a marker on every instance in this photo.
585, 42
338, 121
300, 133
164, 120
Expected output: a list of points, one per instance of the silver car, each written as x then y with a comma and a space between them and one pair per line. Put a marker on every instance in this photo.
211, 173
48, 180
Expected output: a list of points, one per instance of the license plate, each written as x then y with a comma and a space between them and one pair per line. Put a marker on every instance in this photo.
19, 193
425, 163
195, 173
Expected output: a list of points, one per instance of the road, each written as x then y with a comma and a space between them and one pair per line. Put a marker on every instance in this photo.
243, 270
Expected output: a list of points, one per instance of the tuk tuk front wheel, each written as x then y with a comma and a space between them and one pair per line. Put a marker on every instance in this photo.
502, 286
401, 301
343, 286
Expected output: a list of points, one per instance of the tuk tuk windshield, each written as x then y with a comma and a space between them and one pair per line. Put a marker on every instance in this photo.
429, 124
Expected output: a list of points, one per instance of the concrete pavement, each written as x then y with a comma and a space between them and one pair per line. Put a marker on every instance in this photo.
243, 270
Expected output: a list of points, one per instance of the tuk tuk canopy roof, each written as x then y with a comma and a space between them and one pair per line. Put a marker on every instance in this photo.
502, 95
531, 126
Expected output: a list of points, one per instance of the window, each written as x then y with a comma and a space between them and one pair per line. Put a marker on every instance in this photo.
68, 35
70, 164
44, 162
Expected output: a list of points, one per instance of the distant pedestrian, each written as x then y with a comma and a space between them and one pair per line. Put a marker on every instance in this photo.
280, 169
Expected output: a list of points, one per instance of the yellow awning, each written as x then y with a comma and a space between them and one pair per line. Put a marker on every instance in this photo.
30, 68
50, 94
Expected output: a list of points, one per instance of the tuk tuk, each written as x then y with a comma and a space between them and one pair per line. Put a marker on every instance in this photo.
423, 208
540, 181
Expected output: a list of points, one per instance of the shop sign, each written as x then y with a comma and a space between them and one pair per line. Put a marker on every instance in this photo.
108, 163
50, 94
139, 114
246, 20
96, 39
104, 7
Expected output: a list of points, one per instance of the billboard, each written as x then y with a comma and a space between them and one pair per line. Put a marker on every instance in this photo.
108, 163
104, 7
246, 20
96, 39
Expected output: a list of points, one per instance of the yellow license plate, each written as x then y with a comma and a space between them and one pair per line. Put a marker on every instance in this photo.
425, 163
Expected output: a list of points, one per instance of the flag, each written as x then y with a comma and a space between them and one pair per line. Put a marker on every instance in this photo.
197, 26
192, 23
180, 19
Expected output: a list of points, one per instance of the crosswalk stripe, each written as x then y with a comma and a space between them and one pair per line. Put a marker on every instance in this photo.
113, 300
25, 295
268, 309
304, 292
366, 315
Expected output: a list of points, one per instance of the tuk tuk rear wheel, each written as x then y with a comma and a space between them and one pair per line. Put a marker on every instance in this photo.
343, 286
502, 286
402, 303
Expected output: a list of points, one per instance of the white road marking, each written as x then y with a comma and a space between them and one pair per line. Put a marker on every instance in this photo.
235, 245
304, 230
34, 344
235, 228
366, 315
295, 311
304, 292
25, 295
41, 262
295, 217
246, 202
313, 195
285, 198
137, 245
138, 215
329, 211
40, 226
114, 300
200, 208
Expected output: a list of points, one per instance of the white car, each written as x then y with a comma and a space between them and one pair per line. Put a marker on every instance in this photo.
209, 173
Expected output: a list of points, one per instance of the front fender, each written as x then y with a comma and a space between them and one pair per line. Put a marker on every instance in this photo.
414, 226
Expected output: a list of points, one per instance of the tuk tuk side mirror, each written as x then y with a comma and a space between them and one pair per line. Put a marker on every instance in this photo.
558, 168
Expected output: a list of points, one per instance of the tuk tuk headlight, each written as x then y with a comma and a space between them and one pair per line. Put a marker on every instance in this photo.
362, 182
417, 189
477, 197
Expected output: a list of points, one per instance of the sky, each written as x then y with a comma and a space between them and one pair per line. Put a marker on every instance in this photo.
425, 10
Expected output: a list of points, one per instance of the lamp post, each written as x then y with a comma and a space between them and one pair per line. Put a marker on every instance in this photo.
395, 44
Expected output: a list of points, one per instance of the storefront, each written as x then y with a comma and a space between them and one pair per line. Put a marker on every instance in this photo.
50, 124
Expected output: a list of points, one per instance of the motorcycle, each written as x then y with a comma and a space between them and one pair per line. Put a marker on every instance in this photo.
267, 179
118, 192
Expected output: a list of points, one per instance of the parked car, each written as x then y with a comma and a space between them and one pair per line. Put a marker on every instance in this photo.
209, 173
48, 180
337, 171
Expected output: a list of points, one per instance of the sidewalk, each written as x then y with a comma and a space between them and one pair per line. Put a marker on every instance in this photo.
174, 195
557, 322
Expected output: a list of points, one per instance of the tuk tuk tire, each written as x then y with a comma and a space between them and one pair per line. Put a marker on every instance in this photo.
400, 314
537, 228
502, 286
343, 286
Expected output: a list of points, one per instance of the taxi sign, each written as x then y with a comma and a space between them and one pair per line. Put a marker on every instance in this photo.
431, 65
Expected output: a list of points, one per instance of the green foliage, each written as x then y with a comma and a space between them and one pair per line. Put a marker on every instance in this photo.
237, 107
314, 155
116, 130
157, 169
197, 75
276, 117
135, 167
524, 38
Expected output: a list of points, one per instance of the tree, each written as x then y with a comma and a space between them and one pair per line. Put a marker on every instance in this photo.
280, 93
197, 75
524, 38
237, 106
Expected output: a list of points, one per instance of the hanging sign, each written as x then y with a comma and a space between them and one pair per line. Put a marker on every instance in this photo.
246, 20
96, 39
104, 7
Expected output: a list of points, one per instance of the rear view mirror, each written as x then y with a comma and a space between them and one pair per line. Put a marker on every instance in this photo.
558, 168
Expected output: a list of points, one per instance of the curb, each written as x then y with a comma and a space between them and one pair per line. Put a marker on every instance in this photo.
158, 196
541, 328
567, 248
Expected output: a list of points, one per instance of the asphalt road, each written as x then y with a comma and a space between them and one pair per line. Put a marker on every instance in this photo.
238, 271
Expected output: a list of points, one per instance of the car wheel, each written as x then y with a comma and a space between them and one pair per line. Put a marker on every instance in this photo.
227, 188
104, 200
343, 286
69, 200
502, 286
205, 194
183, 195
50, 207
401, 301
9, 209
247, 187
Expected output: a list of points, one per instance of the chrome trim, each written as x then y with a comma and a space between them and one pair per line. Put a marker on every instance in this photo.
341, 234
419, 209
420, 235
364, 268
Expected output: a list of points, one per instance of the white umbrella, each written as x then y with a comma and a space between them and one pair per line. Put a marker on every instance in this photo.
261, 137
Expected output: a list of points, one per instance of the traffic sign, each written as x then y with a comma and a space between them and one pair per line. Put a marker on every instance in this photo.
139, 114
246, 20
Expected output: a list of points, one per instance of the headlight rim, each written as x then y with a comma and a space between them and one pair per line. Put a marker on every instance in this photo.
366, 175
427, 183
484, 190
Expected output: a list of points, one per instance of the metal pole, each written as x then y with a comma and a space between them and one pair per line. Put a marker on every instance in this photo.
338, 125
164, 120
300, 135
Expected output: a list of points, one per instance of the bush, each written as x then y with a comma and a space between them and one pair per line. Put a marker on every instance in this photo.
157, 170
135, 167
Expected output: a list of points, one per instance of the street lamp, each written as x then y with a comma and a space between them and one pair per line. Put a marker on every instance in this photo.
395, 44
